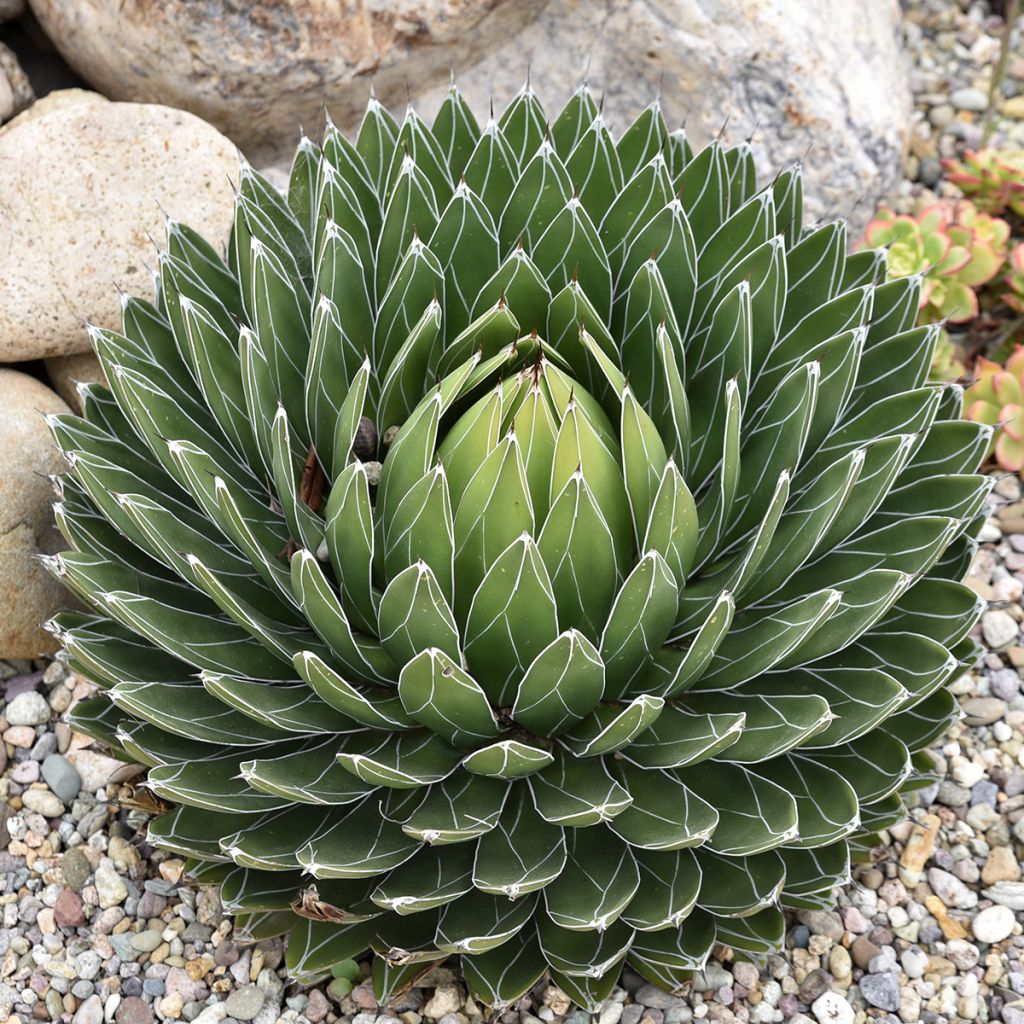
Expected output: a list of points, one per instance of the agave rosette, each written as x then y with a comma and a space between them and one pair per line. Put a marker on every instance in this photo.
634, 627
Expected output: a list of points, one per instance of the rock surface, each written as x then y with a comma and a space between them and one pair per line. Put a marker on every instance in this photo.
28, 594
67, 372
15, 89
84, 187
765, 68
52, 101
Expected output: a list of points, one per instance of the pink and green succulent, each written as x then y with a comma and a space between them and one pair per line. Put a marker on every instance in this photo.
997, 397
1014, 298
955, 247
993, 179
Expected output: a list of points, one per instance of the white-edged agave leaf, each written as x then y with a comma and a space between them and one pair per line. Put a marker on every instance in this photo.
309, 775
646, 192
461, 807
573, 120
811, 872
194, 832
572, 231
270, 841
958, 496
562, 685
97, 718
578, 549
529, 411
492, 168
512, 616
470, 440
772, 724
642, 140
671, 526
540, 193
479, 921
186, 709
896, 304
188, 247
742, 233
815, 268
942, 610
875, 765
375, 142
402, 387
754, 814
417, 143
664, 814
909, 413
392, 979
418, 283
584, 954
643, 461
926, 721
302, 179
573, 793
277, 225
348, 533
338, 203
431, 878
611, 727
490, 332
498, 978
398, 760
714, 505
339, 900
438, 694
356, 843
281, 319
456, 130
149, 745
361, 655
588, 993
289, 707
110, 653
951, 446
214, 782
245, 890
761, 637
314, 947
519, 284
640, 622
259, 927
281, 639
858, 698
414, 616
568, 312
734, 573
668, 957
884, 814
669, 883
681, 736
465, 241
672, 670
899, 363
523, 123
760, 933
371, 706
421, 532
406, 940
739, 886
598, 881
507, 759
410, 215
522, 854
802, 526
826, 805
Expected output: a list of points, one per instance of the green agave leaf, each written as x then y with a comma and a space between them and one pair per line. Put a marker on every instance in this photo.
739, 887
683, 735
478, 922
194, 832
542, 190
522, 854
414, 616
398, 760
499, 977
941, 610
562, 685
664, 814
589, 993
309, 775
573, 793
314, 947
507, 759
270, 842
754, 814
598, 881
459, 808
584, 954
668, 957
875, 765
926, 721
669, 883
437, 693
456, 130
612, 727
760, 933
430, 879
809, 872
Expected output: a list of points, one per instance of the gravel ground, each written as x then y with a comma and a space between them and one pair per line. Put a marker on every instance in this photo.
100, 927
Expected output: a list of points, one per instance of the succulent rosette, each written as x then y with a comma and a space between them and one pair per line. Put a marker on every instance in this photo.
997, 398
523, 544
992, 178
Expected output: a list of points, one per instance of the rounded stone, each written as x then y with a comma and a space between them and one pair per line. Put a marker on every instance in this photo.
67, 372
52, 101
86, 189
245, 1003
993, 924
28, 708
61, 777
29, 595
43, 802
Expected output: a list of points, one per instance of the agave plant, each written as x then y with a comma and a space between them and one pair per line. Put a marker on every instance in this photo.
997, 397
527, 544
993, 178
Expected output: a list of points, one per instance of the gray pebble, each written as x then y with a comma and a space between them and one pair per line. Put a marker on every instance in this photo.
967, 99
62, 777
881, 990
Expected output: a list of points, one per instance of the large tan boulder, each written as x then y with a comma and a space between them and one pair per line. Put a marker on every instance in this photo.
67, 372
50, 102
28, 593
818, 77
260, 69
84, 191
